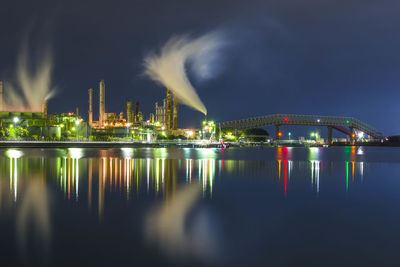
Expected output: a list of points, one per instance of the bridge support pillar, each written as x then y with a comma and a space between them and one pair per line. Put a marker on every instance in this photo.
329, 135
278, 132
352, 135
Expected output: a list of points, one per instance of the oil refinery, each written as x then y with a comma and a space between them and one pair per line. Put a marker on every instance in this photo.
130, 123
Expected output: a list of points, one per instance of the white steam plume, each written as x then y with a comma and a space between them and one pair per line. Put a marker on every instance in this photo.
168, 67
33, 86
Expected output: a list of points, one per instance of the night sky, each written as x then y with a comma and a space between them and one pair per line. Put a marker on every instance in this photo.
307, 57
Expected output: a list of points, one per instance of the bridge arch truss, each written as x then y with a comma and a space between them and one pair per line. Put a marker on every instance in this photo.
346, 125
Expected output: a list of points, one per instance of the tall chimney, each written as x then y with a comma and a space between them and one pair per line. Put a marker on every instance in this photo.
129, 111
77, 111
102, 103
137, 111
175, 114
169, 108
1, 96
44, 109
90, 107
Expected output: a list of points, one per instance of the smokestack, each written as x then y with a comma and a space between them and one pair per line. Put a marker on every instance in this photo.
129, 111
102, 103
77, 111
44, 109
175, 114
90, 107
169, 108
1, 96
137, 111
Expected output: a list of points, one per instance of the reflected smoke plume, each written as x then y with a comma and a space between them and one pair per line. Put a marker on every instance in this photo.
168, 67
33, 217
33, 86
167, 227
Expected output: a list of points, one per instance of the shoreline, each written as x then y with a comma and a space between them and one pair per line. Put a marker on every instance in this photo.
182, 144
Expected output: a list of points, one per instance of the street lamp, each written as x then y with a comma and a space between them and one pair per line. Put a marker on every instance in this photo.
289, 134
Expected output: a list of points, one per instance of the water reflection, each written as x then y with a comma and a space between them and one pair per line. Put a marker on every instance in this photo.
158, 176
33, 220
176, 184
315, 170
28, 196
166, 227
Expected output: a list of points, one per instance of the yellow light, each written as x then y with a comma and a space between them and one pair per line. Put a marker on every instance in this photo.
73, 129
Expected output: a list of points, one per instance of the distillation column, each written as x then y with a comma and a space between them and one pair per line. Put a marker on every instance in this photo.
164, 114
90, 107
102, 103
137, 111
157, 118
169, 108
128, 111
175, 114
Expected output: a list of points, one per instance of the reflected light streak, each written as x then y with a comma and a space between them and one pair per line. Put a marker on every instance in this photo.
279, 170
315, 170
285, 162
362, 171
148, 174
347, 176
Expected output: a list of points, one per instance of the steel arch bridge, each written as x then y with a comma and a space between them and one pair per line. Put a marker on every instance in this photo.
346, 125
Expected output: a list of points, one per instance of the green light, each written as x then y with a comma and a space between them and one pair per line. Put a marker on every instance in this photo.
347, 121
347, 175
73, 129
11, 126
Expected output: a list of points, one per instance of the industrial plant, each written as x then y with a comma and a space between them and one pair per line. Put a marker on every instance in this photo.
128, 124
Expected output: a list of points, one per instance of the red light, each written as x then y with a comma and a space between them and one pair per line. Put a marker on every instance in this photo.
286, 119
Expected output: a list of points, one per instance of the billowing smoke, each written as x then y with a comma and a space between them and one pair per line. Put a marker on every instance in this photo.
168, 67
33, 82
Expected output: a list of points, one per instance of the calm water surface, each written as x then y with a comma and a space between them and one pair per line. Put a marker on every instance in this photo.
196, 207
